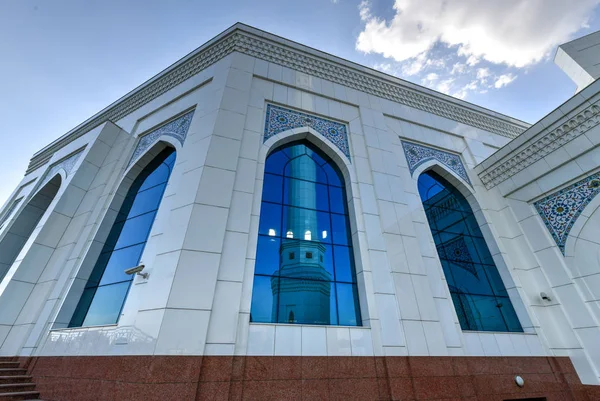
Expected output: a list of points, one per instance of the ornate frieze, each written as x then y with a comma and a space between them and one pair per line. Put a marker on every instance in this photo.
570, 129
280, 119
270, 50
419, 154
65, 164
177, 129
560, 210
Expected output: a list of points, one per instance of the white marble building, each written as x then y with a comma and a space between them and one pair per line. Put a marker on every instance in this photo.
532, 190
580, 59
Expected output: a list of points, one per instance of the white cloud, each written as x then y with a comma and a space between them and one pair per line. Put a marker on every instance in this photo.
415, 66
514, 32
483, 74
384, 67
471, 60
445, 86
432, 76
504, 80
458, 68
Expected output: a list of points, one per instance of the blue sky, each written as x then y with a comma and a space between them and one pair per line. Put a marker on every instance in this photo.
62, 61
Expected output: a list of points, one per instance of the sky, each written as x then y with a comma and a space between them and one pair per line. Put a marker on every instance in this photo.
62, 61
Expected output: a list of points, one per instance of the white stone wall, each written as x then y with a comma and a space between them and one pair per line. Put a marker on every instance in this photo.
202, 248
570, 321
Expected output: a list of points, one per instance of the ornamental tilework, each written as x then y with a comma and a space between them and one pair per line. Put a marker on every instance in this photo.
419, 154
280, 119
177, 129
65, 164
560, 210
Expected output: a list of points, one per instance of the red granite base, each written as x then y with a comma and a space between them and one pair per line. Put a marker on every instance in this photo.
147, 378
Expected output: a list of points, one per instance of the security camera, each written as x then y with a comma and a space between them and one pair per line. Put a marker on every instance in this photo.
137, 270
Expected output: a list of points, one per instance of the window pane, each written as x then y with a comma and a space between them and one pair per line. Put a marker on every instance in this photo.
135, 230
82, 307
262, 309
270, 220
170, 160
485, 312
306, 302
306, 194
158, 176
119, 261
272, 188
341, 231
267, 255
344, 264
106, 305
146, 201
348, 308
295, 269
304, 168
311, 260
333, 177
509, 314
276, 162
124, 245
300, 221
478, 292
338, 200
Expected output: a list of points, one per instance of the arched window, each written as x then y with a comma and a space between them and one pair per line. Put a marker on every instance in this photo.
480, 298
106, 290
304, 278
25, 223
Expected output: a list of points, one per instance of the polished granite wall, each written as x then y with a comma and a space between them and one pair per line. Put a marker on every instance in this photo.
309, 378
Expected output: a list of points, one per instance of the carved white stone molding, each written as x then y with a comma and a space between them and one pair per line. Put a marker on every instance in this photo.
273, 51
65, 164
569, 129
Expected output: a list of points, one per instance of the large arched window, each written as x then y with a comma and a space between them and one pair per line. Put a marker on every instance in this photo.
104, 295
27, 220
304, 261
480, 298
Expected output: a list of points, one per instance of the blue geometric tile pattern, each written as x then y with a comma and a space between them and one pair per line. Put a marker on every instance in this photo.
419, 154
280, 119
560, 210
176, 129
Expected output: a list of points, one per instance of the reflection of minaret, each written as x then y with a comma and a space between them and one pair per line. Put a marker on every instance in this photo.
303, 300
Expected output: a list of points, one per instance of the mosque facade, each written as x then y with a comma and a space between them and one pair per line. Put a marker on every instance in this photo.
263, 220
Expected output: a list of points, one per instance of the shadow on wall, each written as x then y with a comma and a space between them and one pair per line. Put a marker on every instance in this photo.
18, 234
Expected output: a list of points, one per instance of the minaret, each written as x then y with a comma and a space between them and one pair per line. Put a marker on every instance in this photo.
302, 256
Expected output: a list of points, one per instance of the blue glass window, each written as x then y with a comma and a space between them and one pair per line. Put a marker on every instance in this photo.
106, 290
304, 261
477, 290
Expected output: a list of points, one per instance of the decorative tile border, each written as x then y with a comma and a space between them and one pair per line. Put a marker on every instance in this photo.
65, 164
280, 119
560, 210
264, 48
419, 154
177, 129
516, 161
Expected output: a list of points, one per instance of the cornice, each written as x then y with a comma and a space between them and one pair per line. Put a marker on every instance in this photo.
250, 41
547, 141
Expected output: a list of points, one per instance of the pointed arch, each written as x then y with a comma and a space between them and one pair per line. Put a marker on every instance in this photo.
304, 270
126, 229
479, 294
26, 221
